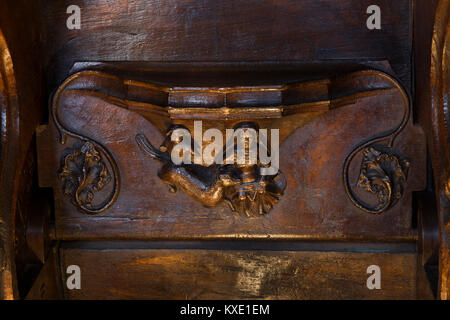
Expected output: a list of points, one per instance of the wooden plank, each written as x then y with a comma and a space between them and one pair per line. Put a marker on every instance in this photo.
44, 142
221, 31
108, 273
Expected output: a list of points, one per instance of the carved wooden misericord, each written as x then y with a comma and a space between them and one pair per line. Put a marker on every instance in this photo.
165, 106
364, 168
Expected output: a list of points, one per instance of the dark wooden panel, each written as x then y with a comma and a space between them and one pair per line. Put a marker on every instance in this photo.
108, 273
236, 30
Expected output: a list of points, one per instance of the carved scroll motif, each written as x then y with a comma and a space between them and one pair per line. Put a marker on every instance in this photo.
383, 175
83, 174
86, 170
241, 187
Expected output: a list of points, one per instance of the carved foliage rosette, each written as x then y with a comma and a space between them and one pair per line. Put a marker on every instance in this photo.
83, 174
383, 175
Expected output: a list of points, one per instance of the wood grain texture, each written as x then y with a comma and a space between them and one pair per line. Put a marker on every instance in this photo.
108, 273
223, 31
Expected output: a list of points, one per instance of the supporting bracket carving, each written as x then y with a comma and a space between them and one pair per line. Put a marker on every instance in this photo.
84, 171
